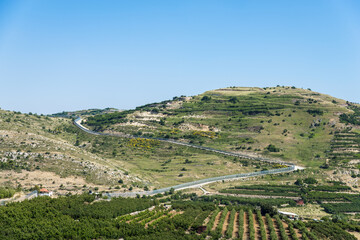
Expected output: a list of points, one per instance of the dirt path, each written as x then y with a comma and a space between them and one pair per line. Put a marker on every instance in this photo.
257, 227
173, 213
298, 233
226, 223
236, 226
356, 234
216, 221
246, 226
251, 196
266, 227
207, 219
147, 224
276, 228
286, 226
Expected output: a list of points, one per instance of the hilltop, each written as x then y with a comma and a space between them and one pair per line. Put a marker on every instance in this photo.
87, 112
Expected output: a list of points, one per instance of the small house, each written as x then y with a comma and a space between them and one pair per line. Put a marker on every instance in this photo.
300, 202
44, 192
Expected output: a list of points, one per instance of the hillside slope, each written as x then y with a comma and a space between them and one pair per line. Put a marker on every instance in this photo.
296, 125
292, 124
40, 150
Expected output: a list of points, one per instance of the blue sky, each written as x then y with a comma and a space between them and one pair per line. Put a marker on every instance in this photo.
69, 55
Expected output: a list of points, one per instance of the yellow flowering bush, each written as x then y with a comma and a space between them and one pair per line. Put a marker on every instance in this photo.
208, 134
143, 143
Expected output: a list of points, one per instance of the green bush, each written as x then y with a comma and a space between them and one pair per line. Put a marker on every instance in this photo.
261, 224
241, 224
271, 228
272, 148
251, 225
230, 228
281, 228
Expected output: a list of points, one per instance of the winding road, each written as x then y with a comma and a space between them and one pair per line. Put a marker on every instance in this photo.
196, 184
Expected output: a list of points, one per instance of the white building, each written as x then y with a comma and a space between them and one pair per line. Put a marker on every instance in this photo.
292, 216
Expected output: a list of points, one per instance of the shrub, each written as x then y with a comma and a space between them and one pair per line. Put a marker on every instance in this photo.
272, 148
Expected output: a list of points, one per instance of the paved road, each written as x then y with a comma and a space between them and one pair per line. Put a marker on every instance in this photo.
22, 198
290, 166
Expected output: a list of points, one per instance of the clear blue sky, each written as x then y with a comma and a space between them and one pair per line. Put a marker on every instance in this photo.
60, 55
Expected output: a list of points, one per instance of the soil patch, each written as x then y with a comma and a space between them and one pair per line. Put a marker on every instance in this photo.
148, 223
266, 227
257, 227
48, 180
246, 226
226, 223
286, 226
207, 219
216, 222
235, 233
276, 228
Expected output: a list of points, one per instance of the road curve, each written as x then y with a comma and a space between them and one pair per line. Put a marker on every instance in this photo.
290, 166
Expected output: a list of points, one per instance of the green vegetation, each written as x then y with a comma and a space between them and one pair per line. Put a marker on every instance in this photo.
341, 198
31, 142
99, 121
328, 230
251, 224
241, 223
286, 123
200, 219
222, 220
333, 208
261, 224
306, 234
344, 149
239, 119
353, 118
6, 192
248, 201
88, 112
271, 228
281, 228
306, 190
210, 224
262, 120
230, 228
291, 229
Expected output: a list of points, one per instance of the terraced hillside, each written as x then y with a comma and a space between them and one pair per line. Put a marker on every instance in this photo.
283, 122
345, 149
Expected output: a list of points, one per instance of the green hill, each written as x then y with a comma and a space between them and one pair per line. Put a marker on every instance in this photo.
301, 126
288, 123
41, 150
